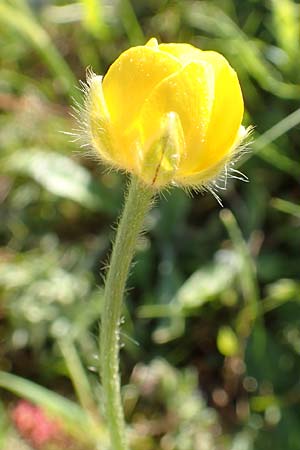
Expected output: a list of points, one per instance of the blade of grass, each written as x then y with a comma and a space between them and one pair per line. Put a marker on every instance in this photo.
32, 31
131, 25
93, 18
262, 145
78, 376
286, 207
249, 320
272, 155
247, 273
209, 18
286, 26
277, 130
76, 419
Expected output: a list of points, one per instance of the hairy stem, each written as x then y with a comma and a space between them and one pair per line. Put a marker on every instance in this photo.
136, 206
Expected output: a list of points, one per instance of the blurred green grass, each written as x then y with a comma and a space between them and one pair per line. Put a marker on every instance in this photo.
221, 299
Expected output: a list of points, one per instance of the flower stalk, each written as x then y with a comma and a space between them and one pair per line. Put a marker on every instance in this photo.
137, 203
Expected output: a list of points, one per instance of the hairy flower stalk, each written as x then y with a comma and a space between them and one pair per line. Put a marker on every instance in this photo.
136, 205
168, 114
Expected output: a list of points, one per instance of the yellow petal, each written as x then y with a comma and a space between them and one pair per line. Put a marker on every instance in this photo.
189, 93
131, 78
212, 171
227, 113
228, 107
185, 53
152, 43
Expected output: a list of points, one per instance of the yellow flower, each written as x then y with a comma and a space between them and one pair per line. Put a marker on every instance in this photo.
168, 113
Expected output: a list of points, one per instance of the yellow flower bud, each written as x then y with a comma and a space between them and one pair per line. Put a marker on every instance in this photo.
168, 113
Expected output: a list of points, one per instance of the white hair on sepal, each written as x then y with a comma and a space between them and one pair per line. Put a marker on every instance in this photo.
225, 176
214, 193
229, 172
79, 112
239, 175
82, 134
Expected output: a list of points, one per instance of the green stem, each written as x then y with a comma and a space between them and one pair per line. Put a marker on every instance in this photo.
137, 204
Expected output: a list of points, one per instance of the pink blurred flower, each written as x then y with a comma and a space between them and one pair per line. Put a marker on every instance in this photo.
34, 426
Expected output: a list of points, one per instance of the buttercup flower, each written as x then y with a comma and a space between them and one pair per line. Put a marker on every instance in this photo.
168, 113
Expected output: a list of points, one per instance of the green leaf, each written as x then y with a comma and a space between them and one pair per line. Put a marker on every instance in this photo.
208, 282
61, 176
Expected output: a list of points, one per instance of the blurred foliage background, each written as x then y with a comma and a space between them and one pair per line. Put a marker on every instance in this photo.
211, 336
